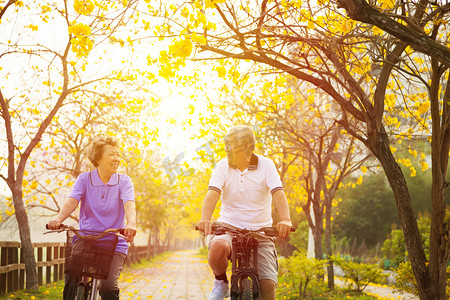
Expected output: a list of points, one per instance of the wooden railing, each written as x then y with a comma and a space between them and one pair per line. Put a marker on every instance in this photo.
49, 263
50, 259
136, 253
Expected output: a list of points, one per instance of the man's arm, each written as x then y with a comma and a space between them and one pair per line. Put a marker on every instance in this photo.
130, 214
209, 204
66, 210
281, 204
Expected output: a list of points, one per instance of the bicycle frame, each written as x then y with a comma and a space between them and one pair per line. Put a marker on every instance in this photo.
244, 259
90, 288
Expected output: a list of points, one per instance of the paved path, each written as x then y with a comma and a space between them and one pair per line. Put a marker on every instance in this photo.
383, 292
183, 275
186, 275
387, 293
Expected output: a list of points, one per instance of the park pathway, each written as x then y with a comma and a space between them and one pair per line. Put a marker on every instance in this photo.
382, 292
186, 275
182, 275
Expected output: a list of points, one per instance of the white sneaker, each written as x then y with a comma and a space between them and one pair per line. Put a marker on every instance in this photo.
219, 291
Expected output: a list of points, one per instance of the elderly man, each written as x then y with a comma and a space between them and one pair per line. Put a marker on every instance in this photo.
248, 184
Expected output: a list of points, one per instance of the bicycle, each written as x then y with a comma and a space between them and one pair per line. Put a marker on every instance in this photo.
90, 257
244, 259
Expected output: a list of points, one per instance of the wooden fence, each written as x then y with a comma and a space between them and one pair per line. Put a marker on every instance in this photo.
49, 263
136, 253
50, 259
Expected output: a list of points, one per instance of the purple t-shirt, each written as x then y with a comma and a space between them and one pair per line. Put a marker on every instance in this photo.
102, 205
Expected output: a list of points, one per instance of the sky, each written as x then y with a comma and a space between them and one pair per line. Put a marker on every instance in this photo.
175, 100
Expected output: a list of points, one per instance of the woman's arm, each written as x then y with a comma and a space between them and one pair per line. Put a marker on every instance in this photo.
66, 210
130, 214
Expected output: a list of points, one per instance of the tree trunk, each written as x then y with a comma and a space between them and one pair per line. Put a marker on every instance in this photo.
317, 233
168, 237
25, 238
438, 263
156, 242
406, 213
439, 160
328, 250
149, 245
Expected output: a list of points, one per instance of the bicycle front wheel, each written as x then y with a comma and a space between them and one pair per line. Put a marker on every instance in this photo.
81, 292
247, 289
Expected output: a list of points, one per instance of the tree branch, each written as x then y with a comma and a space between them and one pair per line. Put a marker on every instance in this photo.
360, 10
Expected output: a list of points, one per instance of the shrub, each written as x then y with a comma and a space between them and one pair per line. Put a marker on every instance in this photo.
405, 281
301, 270
394, 248
358, 275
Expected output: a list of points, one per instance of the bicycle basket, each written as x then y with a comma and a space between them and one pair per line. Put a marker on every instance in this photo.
91, 257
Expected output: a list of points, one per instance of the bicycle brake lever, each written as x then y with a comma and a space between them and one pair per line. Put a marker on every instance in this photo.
270, 232
219, 231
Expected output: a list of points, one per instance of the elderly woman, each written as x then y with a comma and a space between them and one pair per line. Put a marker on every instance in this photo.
106, 199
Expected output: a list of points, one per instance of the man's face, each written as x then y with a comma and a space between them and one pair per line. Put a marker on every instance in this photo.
237, 145
234, 153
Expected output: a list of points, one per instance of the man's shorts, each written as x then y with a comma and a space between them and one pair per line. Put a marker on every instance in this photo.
267, 255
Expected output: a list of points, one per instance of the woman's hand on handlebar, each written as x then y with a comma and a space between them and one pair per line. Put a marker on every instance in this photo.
283, 228
54, 224
205, 226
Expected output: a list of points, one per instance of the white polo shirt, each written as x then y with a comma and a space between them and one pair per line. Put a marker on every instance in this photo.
247, 195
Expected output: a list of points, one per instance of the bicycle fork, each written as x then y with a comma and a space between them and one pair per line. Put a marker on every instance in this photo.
94, 289
244, 268
90, 288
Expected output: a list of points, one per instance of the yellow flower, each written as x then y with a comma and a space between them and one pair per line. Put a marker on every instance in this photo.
83, 7
377, 31
221, 71
181, 48
360, 180
413, 172
80, 29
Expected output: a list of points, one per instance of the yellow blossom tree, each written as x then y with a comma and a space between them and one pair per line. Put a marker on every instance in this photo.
47, 52
370, 76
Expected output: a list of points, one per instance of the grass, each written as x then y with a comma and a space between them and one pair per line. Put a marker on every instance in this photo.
49, 291
53, 291
287, 292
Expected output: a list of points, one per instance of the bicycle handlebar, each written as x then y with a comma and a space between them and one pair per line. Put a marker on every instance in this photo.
268, 231
119, 232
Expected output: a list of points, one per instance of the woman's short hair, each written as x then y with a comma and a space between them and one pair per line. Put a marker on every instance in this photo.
96, 149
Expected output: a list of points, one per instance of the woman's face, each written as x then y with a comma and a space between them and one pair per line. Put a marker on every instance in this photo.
110, 159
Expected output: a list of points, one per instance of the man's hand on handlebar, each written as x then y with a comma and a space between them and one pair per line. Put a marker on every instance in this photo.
283, 228
130, 232
205, 226
54, 224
